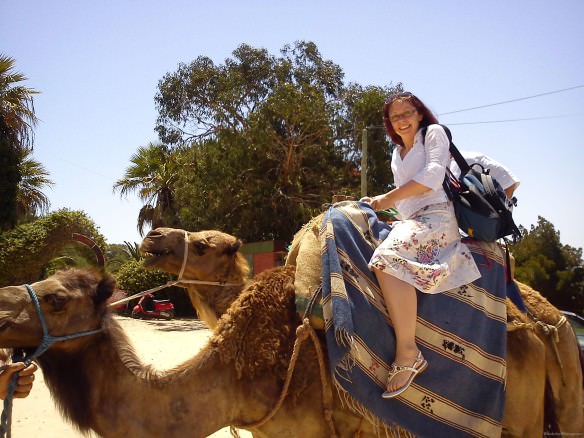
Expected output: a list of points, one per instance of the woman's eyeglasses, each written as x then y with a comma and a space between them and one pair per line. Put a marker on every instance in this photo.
405, 115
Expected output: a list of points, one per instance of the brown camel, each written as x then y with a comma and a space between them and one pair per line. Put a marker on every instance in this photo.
99, 384
563, 370
527, 353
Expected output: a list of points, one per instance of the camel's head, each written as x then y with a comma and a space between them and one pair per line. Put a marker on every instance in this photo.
71, 301
211, 255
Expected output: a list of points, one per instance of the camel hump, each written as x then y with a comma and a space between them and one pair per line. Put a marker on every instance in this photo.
538, 305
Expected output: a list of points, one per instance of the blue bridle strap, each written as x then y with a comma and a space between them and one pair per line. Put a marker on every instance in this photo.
47, 339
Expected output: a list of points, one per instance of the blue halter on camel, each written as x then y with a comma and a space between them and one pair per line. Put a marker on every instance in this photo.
19, 356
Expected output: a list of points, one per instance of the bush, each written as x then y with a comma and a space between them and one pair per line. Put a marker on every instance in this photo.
26, 250
132, 278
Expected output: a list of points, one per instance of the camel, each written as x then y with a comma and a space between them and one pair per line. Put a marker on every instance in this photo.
99, 384
563, 368
212, 256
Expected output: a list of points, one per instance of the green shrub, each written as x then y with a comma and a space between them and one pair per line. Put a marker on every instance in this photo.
26, 250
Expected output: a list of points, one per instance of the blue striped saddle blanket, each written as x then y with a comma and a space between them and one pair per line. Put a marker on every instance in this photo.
461, 332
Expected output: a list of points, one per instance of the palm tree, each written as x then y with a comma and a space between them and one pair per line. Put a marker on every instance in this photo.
17, 120
16, 103
152, 174
30, 200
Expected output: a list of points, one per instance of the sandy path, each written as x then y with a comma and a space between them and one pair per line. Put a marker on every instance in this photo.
161, 343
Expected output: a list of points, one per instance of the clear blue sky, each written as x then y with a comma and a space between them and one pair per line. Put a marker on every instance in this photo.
98, 64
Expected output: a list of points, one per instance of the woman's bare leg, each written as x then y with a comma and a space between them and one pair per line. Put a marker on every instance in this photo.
402, 306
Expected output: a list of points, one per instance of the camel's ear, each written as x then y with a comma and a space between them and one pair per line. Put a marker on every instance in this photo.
234, 247
105, 289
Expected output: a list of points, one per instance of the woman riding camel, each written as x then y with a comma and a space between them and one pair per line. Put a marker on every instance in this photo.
423, 250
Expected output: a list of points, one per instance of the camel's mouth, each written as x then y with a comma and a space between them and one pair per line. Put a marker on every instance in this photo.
152, 256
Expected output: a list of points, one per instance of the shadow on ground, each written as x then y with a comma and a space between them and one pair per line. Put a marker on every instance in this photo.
174, 325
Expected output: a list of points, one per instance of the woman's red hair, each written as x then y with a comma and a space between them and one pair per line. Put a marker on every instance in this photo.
428, 117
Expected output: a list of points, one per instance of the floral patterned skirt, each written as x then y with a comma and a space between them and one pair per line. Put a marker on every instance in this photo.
426, 252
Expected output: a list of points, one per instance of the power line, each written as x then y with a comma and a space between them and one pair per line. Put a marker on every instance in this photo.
496, 121
513, 100
514, 120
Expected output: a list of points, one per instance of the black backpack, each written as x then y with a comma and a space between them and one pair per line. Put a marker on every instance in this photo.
482, 208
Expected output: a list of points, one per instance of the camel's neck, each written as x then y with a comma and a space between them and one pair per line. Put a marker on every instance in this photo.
104, 387
211, 302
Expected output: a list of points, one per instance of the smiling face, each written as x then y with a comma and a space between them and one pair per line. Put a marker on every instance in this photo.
405, 120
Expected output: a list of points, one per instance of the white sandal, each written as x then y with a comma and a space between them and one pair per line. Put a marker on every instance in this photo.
419, 365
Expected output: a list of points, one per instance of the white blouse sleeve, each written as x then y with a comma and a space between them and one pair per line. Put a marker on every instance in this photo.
436, 146
500, 172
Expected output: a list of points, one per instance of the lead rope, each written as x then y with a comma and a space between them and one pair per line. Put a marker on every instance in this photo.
304, 331
6, 418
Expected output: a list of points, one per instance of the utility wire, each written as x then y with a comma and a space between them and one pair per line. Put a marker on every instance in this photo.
513, 100
496, 121
514, 120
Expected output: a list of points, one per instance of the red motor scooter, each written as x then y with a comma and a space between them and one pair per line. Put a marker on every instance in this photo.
148, 307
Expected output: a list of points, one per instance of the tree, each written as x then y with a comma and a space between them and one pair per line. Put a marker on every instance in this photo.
556, 270
152, 175
365, 111
268, 139
116, 255
30, 200
17, 120
26, 250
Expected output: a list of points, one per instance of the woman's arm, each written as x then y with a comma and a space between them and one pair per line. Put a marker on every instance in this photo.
382, 202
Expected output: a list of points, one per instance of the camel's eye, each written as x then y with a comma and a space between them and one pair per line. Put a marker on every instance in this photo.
56, 301
200, 247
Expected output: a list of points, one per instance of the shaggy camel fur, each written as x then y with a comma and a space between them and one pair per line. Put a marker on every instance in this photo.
526, 352
99, 384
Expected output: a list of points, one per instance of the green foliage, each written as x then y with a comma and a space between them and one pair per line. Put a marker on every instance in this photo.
28, 248
133, 251
556, 270
152, 175
9, 179
30, 200
133, 278
116, 256
17, 120
266, 140
365, 110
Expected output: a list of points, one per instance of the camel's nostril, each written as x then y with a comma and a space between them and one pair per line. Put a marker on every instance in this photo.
154, 233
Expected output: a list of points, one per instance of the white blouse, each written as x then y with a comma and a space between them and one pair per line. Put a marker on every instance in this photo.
426, 164
501, 173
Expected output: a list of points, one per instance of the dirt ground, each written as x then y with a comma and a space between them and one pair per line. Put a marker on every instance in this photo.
161, 343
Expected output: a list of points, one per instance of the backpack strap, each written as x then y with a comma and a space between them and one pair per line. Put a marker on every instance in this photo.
462, 164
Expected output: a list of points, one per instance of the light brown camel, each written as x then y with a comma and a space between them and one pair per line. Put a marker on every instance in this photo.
99, 384
563, 369
526, 352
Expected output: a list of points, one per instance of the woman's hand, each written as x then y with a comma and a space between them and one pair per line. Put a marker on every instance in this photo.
379, 202
23, 382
